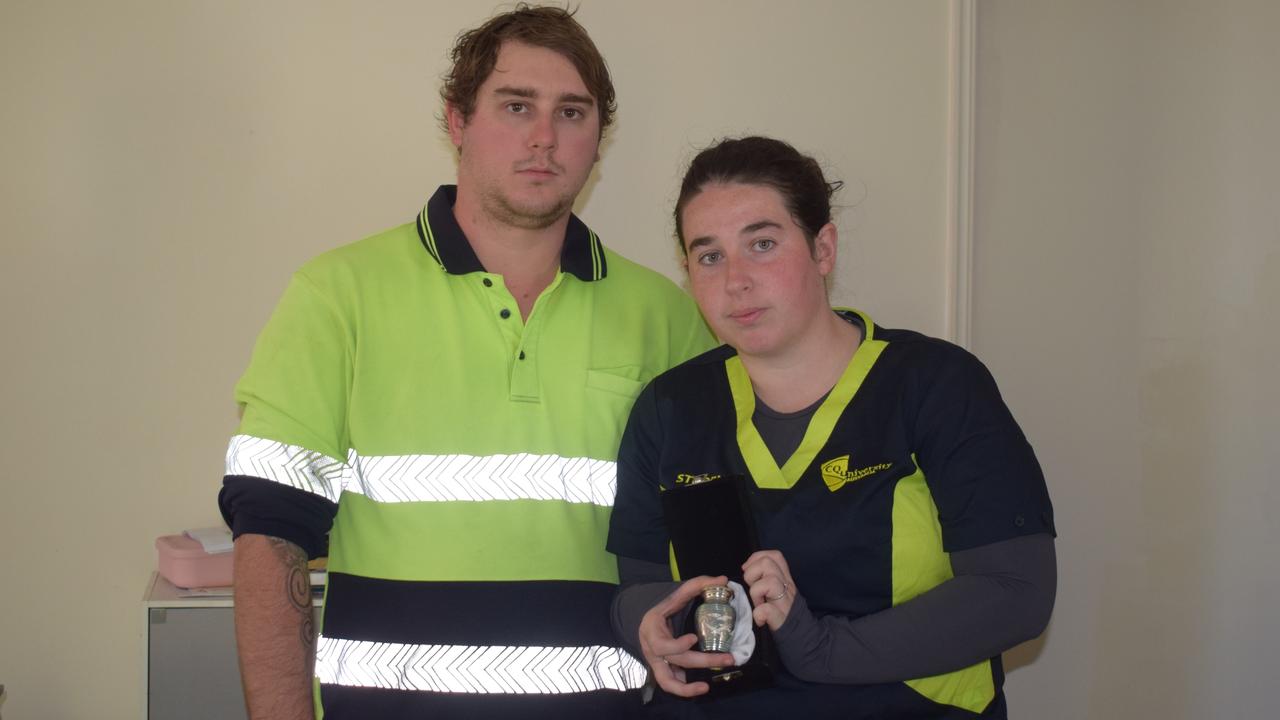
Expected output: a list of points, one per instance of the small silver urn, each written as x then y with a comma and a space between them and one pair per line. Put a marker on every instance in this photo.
715, 618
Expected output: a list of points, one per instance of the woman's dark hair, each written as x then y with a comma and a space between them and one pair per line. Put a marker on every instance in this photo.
759, 160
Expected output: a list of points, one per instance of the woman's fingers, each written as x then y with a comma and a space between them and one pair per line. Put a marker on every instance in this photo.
669, 670
770, 587
668, 656
766, 562
664, 648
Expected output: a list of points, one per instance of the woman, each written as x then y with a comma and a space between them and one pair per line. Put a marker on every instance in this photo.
908, 527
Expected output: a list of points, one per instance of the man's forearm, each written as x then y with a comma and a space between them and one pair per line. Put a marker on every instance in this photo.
275, 627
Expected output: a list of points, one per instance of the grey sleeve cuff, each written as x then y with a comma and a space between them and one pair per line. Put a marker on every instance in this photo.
1002, 595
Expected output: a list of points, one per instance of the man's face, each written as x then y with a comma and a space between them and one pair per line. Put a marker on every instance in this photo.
529, 145
755, 277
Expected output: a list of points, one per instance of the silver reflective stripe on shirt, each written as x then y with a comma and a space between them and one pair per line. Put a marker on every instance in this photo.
291, 465
409, 478
487, 669
427, 478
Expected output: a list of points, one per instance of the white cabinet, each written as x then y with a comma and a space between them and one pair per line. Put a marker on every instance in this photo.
190, 670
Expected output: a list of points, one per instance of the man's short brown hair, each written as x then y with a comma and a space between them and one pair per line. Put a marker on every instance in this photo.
476, 52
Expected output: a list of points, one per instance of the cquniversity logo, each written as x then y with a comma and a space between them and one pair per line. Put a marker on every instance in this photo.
836, 473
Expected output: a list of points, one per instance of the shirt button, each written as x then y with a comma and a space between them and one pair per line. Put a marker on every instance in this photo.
504, 313
521, 354
1019, 521
487, 282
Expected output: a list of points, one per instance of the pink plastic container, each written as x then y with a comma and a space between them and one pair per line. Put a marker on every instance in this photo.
184, 563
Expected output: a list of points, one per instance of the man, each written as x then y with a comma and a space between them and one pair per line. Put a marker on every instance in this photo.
449, 395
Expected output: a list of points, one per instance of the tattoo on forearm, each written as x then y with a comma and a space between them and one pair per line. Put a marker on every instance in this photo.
297, 586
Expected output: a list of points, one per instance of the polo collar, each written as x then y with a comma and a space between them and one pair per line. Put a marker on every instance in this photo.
582, 255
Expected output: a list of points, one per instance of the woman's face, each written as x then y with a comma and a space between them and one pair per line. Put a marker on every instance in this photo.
751, 270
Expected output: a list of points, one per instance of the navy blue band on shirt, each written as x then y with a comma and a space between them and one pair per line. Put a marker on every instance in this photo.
468, 613
361, 703
262, 507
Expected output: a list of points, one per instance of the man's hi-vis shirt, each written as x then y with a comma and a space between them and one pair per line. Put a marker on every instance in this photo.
471, 455
913, 454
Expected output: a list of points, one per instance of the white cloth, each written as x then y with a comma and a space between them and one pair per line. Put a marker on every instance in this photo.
214, 540
744, 636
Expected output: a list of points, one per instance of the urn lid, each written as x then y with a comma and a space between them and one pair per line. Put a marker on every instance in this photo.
717, 593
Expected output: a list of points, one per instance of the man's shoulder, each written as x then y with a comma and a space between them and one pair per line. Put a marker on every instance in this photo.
630, 276
634, 295
386, 251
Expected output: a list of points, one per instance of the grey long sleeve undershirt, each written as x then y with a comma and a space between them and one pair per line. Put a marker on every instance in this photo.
1002, 595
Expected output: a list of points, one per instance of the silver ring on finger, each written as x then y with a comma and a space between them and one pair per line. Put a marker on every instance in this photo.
781, 595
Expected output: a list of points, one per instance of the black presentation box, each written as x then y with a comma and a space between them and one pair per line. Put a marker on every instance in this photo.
713, 532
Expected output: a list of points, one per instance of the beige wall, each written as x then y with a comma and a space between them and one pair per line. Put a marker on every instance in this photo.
1126, 287
164, 166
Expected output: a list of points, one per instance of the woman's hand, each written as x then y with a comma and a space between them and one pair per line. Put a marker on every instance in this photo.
668, 656
770, 586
